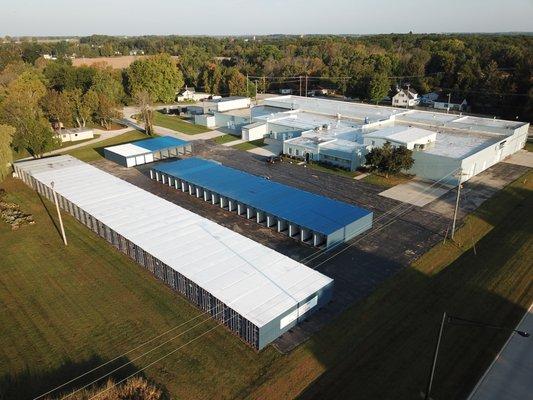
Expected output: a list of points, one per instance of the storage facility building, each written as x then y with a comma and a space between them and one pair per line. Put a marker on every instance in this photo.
147, 151
311, 218
255, 291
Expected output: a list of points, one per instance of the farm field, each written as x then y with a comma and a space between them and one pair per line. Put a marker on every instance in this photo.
67, 309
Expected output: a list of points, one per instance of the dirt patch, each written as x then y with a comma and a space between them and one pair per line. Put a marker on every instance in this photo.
11, 213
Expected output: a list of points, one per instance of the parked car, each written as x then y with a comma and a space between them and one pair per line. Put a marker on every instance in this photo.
274, 159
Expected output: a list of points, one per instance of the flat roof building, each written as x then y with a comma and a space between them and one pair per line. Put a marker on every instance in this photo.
444, 146
254, 291
147, 151
308, 217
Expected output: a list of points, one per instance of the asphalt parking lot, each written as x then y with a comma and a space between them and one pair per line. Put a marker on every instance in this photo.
401, 232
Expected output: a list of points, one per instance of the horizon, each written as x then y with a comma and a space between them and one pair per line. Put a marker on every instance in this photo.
31, 18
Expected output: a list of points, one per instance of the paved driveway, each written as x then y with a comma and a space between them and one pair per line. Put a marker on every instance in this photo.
417, 192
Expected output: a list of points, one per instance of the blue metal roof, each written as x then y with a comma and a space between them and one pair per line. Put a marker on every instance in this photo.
318, 213
161, 142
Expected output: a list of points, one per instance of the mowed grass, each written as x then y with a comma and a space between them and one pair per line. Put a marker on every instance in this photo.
250, 145
177, 124
95, 151
225, 139
386, 181
382, 347
65, 309
71, 306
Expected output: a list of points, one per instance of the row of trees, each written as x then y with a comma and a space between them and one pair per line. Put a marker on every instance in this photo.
492, 71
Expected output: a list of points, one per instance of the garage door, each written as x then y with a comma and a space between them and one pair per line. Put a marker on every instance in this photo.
149, 158
139, 160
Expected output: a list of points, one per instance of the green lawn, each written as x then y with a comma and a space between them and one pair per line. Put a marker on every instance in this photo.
250, 145
333, 170
177, 124
386, 182
65, 309
94, 151
225, 139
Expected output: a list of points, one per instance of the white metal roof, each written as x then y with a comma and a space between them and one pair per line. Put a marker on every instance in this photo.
403, 134
257, 282
127, 150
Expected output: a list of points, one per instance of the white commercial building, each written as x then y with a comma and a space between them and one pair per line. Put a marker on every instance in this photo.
444, 145
253, 290
226, 104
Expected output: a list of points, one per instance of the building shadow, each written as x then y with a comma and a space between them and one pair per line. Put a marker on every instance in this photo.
30, 383
382, 347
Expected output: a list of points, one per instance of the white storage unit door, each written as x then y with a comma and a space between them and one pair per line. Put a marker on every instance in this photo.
130, 161
149, 158
139, 159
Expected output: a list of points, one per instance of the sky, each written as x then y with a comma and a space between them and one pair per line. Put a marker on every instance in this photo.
259, 17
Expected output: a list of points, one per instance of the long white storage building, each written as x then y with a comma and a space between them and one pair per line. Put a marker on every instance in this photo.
255, 291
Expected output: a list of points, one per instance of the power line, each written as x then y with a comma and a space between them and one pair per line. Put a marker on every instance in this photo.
211, 329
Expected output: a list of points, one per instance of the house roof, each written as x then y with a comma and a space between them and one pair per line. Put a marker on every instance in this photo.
410, 93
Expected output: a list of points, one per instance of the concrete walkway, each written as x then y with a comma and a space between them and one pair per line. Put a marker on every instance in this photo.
267, 151
416, 192
509, 376
233, 143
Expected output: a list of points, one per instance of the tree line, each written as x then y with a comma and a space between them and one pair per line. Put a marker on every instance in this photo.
492, 71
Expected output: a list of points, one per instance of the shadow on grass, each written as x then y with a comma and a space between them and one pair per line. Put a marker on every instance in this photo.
30, 383
382, 348
49, 214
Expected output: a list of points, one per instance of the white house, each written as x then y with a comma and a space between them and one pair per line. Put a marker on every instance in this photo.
405, 98
190, 94
450, 103
285, 91
75, 134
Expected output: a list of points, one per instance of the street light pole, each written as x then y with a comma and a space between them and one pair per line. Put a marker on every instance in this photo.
59, 214
450, 319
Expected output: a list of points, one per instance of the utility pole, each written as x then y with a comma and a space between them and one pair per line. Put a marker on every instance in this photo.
306, 85
457, 202
300, 85
435, 356
247, 89
449, 100
59, 214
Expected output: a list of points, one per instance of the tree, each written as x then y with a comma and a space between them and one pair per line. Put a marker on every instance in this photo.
56, 106
390, 159
236, 82
20, 109
103, 108
378, 88
158, 75
80, 106
146, 111
6, 154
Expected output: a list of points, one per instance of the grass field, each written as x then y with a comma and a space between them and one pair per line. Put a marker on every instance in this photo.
225, 139
177, 124
330, 169
95, 151
64, 309
250, 145
386, 182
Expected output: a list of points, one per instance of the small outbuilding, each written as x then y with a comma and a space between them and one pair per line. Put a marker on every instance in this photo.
147, 151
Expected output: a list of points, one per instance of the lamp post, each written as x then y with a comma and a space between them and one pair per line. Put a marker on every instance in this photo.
451, 319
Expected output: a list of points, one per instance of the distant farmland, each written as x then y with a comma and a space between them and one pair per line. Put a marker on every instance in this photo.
119, 62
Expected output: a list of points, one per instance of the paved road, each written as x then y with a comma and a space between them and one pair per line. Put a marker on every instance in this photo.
509, 376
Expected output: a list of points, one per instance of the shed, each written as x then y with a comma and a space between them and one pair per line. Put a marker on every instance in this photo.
305, 216
147, 151
254, 291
